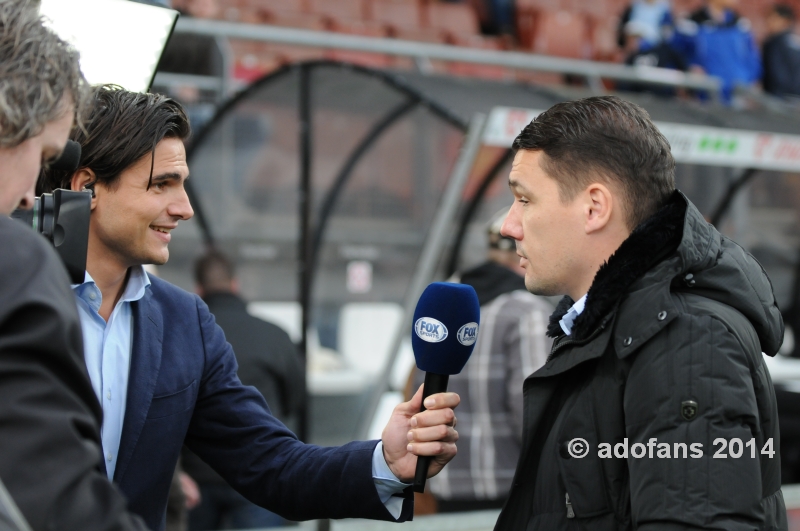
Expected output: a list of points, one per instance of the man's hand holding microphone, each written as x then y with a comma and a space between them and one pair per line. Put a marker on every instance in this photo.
420, 438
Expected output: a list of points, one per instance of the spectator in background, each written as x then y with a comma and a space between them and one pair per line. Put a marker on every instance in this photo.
781, 53
269, 362
511, 345
652, 20
639, 52
718, 42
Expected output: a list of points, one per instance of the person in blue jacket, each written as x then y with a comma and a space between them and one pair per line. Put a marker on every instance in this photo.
718, 42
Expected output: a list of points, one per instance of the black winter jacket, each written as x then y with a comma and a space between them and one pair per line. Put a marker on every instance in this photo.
669, 347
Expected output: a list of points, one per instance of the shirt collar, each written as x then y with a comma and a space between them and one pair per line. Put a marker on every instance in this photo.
137, 284
568, 320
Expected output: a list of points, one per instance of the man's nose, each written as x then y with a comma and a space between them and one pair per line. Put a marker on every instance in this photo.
182, 208
511, 227
27, 200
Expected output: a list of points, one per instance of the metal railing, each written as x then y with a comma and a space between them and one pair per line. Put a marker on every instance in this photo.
420, 51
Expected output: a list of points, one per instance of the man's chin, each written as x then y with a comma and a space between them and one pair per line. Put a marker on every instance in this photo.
158, 258
538, 286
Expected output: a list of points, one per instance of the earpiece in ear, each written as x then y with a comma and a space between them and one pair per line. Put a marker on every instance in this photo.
90, 187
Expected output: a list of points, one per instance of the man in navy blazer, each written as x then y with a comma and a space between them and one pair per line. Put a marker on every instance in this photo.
163, 371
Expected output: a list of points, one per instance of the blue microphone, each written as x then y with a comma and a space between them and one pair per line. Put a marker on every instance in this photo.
445, 330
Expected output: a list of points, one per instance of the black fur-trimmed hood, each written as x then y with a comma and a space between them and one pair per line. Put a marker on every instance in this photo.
664, 249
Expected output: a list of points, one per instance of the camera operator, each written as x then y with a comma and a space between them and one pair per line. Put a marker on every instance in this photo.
49, 415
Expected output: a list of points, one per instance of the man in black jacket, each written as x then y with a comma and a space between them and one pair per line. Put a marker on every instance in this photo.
49, 415
781, 53
268, 360
656, 369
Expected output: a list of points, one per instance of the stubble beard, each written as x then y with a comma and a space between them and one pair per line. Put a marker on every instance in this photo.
543, 287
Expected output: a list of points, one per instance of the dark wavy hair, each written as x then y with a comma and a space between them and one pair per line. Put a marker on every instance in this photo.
120, 128
609, 139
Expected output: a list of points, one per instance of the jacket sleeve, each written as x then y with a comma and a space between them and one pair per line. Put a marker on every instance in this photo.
692, 385
49, 416
233, 430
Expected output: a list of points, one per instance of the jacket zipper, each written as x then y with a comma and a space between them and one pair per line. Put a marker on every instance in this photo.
570, 512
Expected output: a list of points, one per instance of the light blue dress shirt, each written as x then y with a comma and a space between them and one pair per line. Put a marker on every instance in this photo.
107, 349
568, 320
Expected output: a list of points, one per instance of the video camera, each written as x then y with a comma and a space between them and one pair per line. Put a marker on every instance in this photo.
63, 217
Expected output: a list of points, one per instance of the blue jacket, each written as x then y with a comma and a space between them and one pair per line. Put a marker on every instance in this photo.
183, 388
726, 50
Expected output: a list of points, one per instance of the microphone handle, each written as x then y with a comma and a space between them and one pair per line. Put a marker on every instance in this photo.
434, 383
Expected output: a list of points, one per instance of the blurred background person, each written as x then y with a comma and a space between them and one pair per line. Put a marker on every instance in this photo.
511, 345
718, 42
268, 361
640, 52
652, 20
781, 53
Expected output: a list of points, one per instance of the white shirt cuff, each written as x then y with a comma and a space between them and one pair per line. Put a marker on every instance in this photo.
386, 483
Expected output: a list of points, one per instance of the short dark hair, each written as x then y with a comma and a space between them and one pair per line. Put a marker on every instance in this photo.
122, 127
38, 70
784, 11
213, 271
609, 137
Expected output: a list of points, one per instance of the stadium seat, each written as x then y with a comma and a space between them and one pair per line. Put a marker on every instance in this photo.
359, 27
396, 14
309, 22
278, 7
562, 34
604, 40
341, 11
453, 19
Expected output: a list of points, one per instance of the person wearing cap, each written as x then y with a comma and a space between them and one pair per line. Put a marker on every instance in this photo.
511, 345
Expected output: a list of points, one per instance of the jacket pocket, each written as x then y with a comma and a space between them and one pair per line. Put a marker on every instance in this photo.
173, 403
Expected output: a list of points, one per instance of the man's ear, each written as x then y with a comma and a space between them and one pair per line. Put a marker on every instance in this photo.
600, 205
84, 179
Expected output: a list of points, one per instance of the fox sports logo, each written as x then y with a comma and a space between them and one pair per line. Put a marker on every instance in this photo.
468, 334
430, 330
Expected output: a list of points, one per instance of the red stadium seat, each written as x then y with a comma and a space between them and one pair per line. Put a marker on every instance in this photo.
309, 22
341, 11
604, 40
359, 27
397, 14
453, 19
562, 34
278, 7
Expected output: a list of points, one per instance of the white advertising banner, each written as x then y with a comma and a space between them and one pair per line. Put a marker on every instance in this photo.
691, 144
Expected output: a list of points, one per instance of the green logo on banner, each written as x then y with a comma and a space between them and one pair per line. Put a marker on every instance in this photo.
717, 144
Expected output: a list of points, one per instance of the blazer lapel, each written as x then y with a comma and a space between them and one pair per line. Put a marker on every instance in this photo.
148, 330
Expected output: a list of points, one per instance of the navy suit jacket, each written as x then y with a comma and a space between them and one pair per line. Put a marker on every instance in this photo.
183, 388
